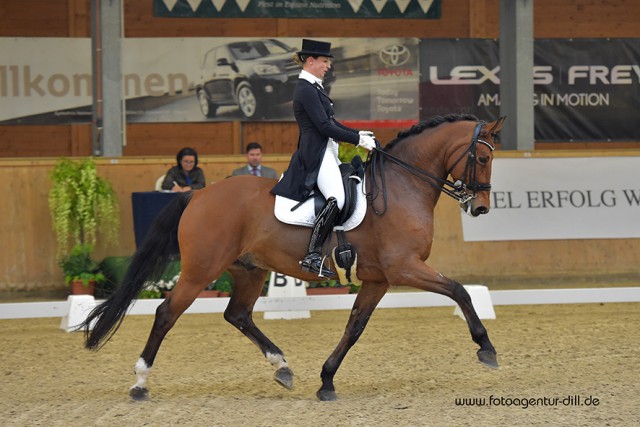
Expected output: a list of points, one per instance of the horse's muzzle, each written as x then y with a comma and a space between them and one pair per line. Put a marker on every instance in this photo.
470, 209
480, 210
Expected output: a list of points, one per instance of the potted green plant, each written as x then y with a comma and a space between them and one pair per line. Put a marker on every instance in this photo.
83, 205
327, 287
164, 286
224, 284
80, 271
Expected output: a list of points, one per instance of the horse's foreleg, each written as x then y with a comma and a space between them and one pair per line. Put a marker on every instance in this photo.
487, 353
366, 301
246, 290
421, 276
167, 314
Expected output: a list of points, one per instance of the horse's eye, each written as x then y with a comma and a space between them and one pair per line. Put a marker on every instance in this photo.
483, 160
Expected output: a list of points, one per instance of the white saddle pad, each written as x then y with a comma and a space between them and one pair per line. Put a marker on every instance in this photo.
305, 214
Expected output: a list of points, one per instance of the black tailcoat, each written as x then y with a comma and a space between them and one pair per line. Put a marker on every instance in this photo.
313, 110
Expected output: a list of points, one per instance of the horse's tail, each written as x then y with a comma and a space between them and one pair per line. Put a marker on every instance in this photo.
147, 264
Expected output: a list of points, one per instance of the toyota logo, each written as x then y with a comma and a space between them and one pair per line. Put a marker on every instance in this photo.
395, 55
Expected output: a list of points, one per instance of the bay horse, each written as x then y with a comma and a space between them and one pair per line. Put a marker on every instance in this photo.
230, 226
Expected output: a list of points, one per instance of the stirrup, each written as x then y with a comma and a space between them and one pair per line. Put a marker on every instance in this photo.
313, 263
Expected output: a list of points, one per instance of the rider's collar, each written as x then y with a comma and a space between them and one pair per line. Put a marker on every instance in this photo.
304, 74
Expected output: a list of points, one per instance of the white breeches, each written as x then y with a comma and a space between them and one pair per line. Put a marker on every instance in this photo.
329, 178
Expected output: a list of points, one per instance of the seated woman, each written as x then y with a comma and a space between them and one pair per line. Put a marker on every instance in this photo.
186, 176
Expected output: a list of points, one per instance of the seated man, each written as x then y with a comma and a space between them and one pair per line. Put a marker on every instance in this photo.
254, 166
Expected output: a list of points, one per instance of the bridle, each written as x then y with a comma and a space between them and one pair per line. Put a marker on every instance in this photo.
456, 190
470, 169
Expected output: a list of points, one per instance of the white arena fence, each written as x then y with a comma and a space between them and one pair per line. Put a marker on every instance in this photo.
345, 302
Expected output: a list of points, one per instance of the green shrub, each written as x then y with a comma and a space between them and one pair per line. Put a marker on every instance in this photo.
80, 266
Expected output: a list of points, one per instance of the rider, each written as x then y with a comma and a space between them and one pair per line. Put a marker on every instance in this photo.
315, 162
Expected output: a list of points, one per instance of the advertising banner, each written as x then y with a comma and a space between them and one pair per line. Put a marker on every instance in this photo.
560, 198
45, 80
418, 9
585, 89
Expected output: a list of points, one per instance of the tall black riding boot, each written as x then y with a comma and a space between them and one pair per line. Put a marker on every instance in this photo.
312, 262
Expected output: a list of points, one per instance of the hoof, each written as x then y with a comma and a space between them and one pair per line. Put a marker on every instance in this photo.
327, 395
489, 358
284, 376
138, 393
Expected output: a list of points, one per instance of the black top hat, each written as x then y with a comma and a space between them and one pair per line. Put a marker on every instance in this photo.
315, 48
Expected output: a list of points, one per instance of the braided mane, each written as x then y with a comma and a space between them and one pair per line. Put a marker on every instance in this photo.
429, 123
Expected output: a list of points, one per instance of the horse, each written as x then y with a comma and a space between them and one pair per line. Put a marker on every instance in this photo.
230, 226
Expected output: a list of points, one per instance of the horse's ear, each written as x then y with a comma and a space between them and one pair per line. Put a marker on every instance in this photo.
494, 127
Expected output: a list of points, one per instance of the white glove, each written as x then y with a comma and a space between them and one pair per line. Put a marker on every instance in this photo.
366, 133
367, 142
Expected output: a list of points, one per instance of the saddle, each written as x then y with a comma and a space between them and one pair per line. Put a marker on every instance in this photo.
304, 213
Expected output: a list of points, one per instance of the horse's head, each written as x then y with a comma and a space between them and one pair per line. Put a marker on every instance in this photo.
470, 168
443, 158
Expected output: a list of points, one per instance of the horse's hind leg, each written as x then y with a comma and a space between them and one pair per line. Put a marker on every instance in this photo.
247, 286
366, 301
167, 313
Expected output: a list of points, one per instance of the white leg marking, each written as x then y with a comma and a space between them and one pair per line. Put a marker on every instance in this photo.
142, 371
277, 360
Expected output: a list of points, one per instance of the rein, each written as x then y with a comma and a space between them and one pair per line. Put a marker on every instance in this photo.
455, 190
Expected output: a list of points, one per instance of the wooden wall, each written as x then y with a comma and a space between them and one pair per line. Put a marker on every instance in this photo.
27, 253
28, 245
26, 256
460, 18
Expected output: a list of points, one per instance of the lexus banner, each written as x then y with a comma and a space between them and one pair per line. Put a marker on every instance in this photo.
585, 89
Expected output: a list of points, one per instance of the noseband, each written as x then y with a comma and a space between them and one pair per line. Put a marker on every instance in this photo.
456, 190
